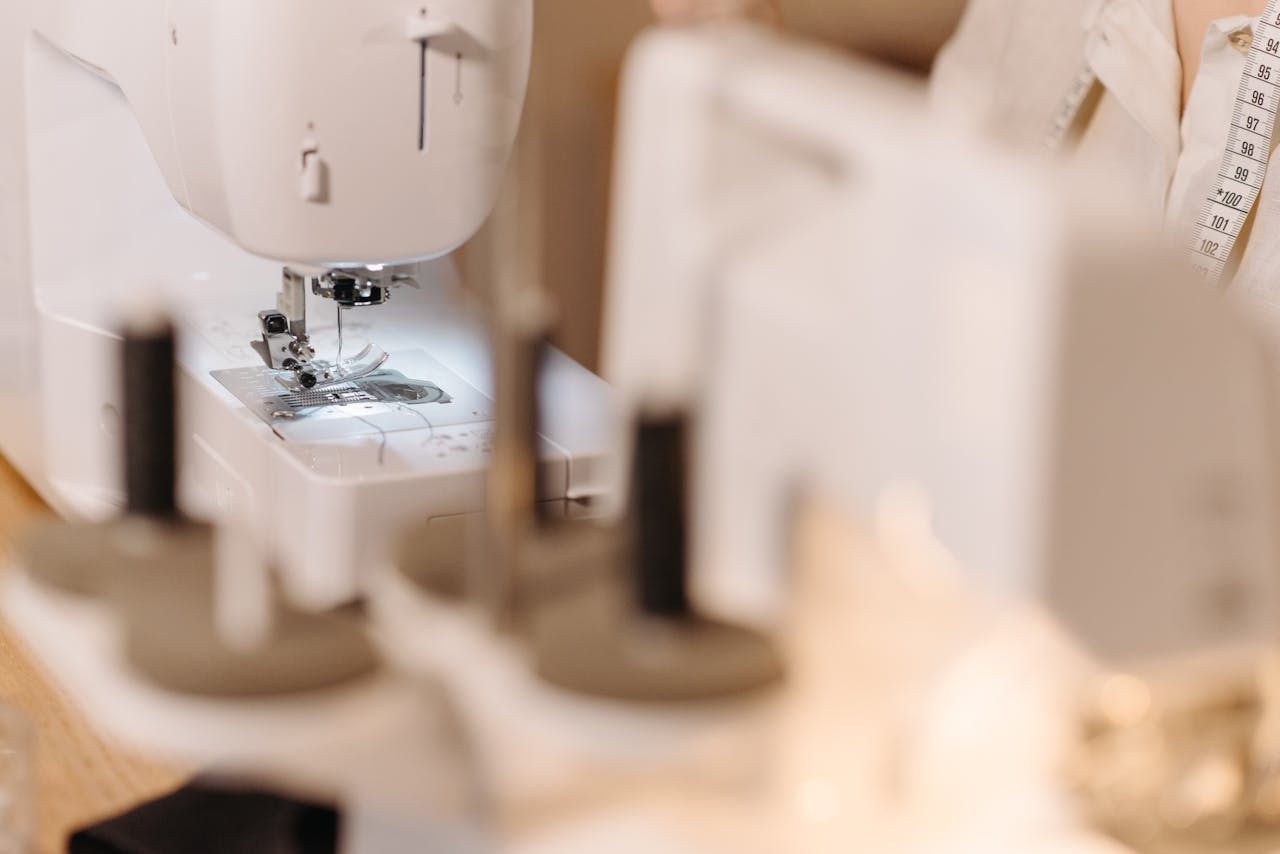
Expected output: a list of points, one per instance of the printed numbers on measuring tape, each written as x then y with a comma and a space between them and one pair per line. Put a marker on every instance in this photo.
1248, 151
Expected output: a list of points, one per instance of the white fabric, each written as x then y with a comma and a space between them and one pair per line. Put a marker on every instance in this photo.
1206, 121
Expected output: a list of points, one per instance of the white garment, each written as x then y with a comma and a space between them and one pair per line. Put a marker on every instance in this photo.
1141, 68
1012, 62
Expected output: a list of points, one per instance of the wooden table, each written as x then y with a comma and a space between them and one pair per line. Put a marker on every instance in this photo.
80, 777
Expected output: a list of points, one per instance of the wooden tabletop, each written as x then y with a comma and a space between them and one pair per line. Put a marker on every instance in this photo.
80, 777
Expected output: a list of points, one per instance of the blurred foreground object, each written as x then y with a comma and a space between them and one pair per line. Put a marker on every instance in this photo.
1023, 397
178, 637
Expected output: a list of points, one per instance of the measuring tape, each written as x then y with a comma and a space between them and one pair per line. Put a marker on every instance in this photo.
1245, 158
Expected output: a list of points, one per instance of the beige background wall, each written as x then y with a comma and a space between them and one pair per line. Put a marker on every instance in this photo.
577, 55
905, 31
578, 49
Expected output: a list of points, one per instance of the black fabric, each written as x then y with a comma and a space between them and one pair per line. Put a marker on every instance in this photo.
205, 819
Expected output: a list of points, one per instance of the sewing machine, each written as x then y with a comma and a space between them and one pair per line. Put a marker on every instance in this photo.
1026, 442
271, 176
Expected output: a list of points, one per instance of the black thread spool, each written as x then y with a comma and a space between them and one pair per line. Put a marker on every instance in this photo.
536, 353
660, 516
150, 414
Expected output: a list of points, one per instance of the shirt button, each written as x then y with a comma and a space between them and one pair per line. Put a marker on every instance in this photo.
1241, 39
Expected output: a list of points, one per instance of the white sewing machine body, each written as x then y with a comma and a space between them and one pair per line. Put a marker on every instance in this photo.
184, 146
